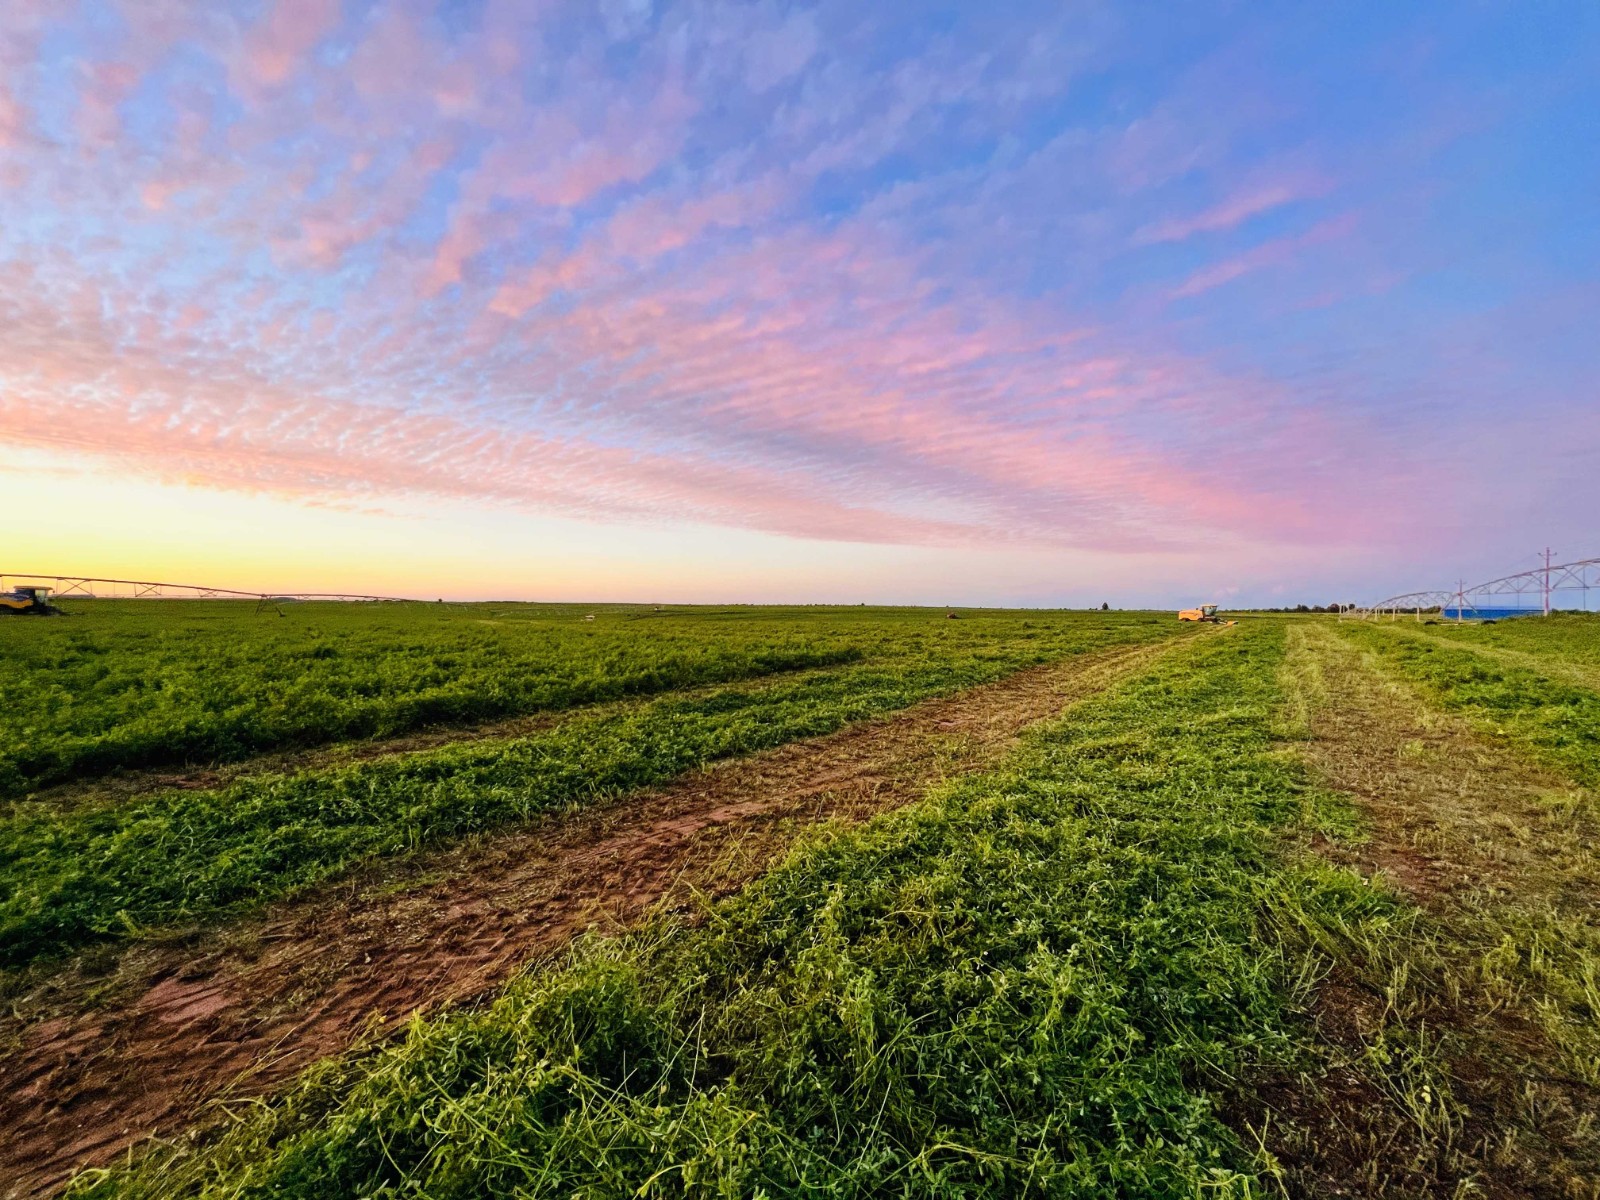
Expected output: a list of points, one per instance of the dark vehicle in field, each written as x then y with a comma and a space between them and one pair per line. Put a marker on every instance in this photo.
27, 601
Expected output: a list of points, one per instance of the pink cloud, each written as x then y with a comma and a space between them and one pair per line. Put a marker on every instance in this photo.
236, 430
304, 447
464, 240
106, 85
1232, 212
757, 348
13, 120
655, 225
543, 280
394, 59
747, 356
561, 158
1275, 253
570, 159
278, 45
637, 234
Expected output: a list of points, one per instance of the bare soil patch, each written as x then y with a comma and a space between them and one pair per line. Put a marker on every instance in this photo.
119, 1048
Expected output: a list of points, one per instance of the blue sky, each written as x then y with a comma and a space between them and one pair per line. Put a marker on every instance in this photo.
1005, 303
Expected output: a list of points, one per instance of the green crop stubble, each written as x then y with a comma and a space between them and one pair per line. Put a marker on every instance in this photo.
148, 683
1569, 638
1502, 954
1025, 984
1551, 721
75, 877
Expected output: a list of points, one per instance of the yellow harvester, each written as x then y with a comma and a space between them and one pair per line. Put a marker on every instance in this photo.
29, 600
1206, 612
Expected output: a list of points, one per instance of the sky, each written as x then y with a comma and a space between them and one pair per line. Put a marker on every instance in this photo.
1036, 304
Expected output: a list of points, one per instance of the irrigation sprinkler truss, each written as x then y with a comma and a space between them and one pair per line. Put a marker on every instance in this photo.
1542, 582
90, 588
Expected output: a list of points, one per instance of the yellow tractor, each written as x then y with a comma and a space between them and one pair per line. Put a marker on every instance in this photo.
1206, 612
27, 601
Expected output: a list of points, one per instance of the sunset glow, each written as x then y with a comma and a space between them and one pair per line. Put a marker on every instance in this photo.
995, 304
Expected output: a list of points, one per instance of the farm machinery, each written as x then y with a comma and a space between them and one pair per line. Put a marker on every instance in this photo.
28, 601
1206, 613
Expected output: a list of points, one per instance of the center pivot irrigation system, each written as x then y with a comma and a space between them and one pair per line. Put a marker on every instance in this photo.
1526, 592
84, 587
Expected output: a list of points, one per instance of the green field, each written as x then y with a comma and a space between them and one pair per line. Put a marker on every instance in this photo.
79, 872
1533, 698
132, 684
1563, 638
1299, 906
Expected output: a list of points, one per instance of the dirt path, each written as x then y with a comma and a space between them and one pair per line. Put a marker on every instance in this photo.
92, 1064
1449, 812
1463, 1045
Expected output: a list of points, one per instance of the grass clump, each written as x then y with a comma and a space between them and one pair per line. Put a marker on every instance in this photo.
1036, 981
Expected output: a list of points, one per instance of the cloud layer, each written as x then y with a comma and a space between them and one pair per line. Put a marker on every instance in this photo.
847, 273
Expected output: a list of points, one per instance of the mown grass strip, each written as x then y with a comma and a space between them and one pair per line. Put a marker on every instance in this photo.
1032, 982
70, 878
1469, 1057
1561, 640
144, 710
1550, 720
132, 684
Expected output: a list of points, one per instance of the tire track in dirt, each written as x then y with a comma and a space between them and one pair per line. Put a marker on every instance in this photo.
1492, 849
90, 1066
1437, 794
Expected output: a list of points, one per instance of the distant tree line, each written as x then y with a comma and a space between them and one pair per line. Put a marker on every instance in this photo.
1304, 608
